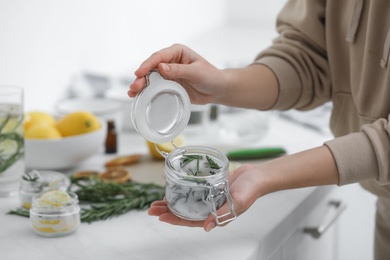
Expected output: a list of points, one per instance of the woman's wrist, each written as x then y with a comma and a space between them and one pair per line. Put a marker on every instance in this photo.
309, 168
252, 87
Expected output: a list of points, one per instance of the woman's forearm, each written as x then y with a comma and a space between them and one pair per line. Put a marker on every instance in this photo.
252, 87
312, 167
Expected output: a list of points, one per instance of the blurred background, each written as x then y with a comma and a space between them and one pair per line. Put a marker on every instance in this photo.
46, 45
58, 50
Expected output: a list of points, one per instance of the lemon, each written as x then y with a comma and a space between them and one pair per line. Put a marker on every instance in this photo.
42, 131
35, 117
76, 123
165, 147
55, 198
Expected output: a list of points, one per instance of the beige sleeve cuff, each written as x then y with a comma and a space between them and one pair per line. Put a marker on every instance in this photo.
355, 158
289, 82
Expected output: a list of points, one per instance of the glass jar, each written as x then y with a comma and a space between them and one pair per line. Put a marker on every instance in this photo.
12, 164
197, 183
35, 182
55, 219
196, 176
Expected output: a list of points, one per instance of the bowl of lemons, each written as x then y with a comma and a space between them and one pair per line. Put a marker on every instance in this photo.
59, 143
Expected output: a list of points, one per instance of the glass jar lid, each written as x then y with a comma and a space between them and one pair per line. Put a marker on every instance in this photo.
161, 111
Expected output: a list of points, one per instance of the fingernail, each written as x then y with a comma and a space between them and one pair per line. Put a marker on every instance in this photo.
165, 67
210, 226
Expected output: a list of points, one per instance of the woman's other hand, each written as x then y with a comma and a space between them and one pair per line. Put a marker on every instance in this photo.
244, 186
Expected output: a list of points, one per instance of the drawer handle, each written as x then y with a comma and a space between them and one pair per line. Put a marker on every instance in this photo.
317, 232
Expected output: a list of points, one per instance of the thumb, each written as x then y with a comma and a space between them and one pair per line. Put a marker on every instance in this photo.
174, 71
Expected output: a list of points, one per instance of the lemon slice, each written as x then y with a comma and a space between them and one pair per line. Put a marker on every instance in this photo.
54, 198
8, 146
118, 175
165, 147
11, 125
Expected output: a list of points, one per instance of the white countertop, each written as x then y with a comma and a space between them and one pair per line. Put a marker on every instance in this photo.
135, 235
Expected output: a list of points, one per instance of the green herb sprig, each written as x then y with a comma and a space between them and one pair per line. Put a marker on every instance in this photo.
211, 163
103, 200
186, 159
108, 199
20, 212
32, 176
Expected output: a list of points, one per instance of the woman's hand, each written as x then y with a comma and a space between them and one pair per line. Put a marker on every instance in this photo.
203, 82
244, 186
308, 168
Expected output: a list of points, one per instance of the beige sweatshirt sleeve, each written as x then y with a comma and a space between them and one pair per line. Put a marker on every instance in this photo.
299, 59
298, 56
364, 155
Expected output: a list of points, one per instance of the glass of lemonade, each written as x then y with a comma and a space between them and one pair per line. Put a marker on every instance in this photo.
11, 139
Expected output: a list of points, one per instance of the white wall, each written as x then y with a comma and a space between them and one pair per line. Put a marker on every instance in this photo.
253, 11
249, 28
44, 42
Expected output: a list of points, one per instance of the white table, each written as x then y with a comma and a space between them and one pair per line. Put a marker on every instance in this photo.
135, 235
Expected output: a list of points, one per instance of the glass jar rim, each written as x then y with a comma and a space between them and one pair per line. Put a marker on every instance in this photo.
36, 204
10, 89
197, 180
54, 180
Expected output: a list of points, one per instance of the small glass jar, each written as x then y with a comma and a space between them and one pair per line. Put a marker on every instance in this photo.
195, 186
197, 183
55, 220
35, 182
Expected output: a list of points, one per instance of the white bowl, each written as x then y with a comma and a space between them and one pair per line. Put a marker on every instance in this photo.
102, 108
63, 153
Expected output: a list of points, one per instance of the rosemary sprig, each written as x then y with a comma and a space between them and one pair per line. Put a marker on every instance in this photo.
20, 212
104, 200
32, 176
110, 199
106, 210
211, 163
186, 159
100, 191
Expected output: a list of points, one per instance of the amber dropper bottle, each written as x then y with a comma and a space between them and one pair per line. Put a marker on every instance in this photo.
111, 139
